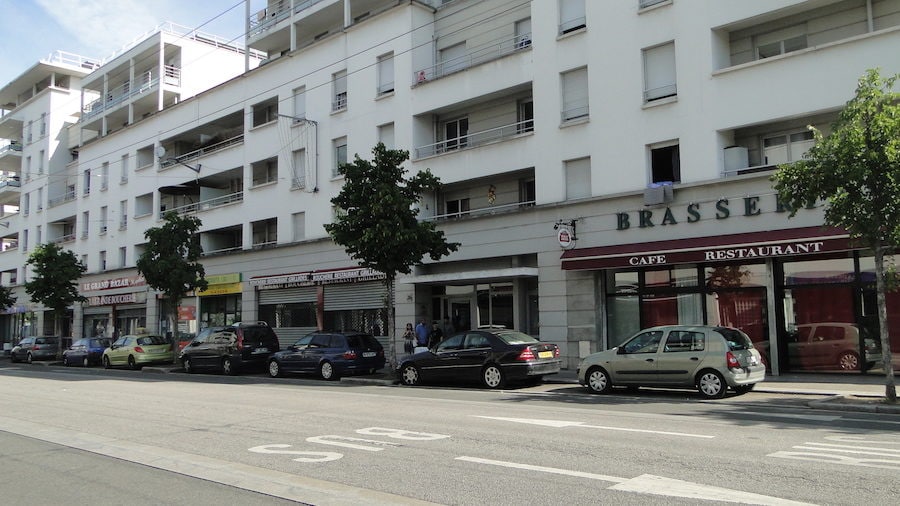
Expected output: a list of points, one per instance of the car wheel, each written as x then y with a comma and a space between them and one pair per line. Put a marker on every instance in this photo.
131, 363
187, 365
228, 367
65, 361
598, 380
848, 361
275, 369
326, 371
742, 389
13, 358
28, 358
711, 384
106, 364
85, 362
492, 376
409, 375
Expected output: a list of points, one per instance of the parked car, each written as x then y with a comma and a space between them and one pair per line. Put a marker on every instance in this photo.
35, 348
832, 345
85, 352
231, 348
711, 359
136, 351
492, 356
330, 355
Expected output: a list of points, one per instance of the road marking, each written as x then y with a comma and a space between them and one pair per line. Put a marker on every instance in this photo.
855, 453
562, 424
343, 441
649, 484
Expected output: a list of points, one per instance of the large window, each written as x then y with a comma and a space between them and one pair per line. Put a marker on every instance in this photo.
340, 155
578, 178
665, 163
386, 74
265, 112
787, 147
781, 41
299, 103
456, 133
659, 72
339, 91
571, 16
575, 94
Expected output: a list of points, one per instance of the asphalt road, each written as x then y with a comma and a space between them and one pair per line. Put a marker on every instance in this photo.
329, 443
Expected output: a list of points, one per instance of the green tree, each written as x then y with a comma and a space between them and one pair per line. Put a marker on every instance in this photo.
170, 263
7, 298
377, 222
54, 281
856, 171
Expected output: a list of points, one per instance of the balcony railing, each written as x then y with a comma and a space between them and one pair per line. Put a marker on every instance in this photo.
66, 58
62, 199
197, 153
479, 54
203, 205
222, 250
125, 91
12, 147
63, 238
484, 211
476, 138
266, 18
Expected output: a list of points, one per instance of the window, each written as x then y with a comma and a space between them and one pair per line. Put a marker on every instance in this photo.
527, 194
40, 199
27, 168
123, 175
578, 178
86, 187
143, 204
453, 58
575, 94
43, 128
28, 137
788, 147
386, 135
25, 240
104, 176
456, 133
525, 116
659, 72
571, 16
40, 167
386, 74
265, 233
665, 164
298, 180
457, 207
339, 93
523, 33
299, 226
684, 340
85, 224
265, 171
781, 41
101, 264
643, 4
122, 256
103, 216
38, 235
646, 342
26, 204
340, 155
265, 112
299, 103
123, 215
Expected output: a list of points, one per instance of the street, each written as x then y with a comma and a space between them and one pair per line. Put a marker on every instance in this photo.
310, 441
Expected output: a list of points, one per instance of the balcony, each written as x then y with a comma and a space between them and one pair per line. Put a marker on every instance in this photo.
221, 240
63, 239
9, 190
205, 205
11, 157
475, 139
68, 196
203, 151
121, 94
474, 56
502, 193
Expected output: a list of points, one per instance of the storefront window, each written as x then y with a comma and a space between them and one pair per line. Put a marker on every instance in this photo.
623, 318
672, 309
834, 270
735, 275
672, 277
220, 310
495, 305
622, 282
300, 314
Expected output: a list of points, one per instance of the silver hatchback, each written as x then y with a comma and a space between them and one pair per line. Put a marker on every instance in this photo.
710, 359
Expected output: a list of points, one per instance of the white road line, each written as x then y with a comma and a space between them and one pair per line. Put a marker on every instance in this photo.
649, 484
843, 460
858, 451
838, 448
562, 424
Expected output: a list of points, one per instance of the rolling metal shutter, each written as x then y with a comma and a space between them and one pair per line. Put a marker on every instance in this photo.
288, 295
368, 295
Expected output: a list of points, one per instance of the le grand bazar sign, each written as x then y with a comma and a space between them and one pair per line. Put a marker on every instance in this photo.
725, 247
313, 278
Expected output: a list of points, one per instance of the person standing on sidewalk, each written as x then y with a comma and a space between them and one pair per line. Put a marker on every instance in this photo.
422, 332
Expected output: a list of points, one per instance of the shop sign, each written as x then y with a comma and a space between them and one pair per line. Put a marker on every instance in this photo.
221, 289
223, 279
123, 298
564, 237
111, 283
187, 312
722, 209
297, 279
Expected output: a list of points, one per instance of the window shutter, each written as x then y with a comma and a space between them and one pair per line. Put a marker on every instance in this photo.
659, 72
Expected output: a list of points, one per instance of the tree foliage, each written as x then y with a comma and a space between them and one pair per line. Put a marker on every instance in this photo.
54, 281
856, 170
170, 263
7, 298
377, 221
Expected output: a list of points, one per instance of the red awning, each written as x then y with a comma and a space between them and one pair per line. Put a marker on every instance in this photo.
721, 248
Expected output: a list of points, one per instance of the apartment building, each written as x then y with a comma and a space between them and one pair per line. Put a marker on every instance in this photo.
605, 165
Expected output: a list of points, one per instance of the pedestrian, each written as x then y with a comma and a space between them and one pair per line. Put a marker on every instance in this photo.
422, 333
409, 337
436, 335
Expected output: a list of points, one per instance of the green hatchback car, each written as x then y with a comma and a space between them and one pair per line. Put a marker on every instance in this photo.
136, 351
710, 359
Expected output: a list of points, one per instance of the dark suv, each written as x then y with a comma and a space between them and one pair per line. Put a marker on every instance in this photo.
231, 348
35, 348
330, 355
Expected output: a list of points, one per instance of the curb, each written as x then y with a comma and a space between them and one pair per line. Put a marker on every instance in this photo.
834, 404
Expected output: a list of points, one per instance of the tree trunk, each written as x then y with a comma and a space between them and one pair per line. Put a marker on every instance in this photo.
890, 390
57, 331
173, 324
389, 310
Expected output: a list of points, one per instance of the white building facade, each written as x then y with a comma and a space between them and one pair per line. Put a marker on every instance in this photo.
605, 165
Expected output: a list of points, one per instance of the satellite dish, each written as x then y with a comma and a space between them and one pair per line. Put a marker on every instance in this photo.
160, 151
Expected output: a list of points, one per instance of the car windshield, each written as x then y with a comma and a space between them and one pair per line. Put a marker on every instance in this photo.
148, 340
515, 337
736, 339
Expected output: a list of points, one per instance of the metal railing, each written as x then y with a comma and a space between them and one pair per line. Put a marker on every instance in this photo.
122, 93
203, 205
63, 238
197, 153
62, 199
222, 250
12, 147
480, 54
72, 59
185, 33
10, 182
268, 17
474, 139
483, 211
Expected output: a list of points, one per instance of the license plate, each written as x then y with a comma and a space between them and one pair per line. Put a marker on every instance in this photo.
545, 354
368, 354
261, 350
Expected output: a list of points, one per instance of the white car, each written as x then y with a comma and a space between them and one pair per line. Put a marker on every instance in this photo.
710, 359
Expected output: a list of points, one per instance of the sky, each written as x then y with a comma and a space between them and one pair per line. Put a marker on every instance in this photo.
31, 30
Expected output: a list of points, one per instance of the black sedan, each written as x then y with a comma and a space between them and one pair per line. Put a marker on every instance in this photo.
491, 356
